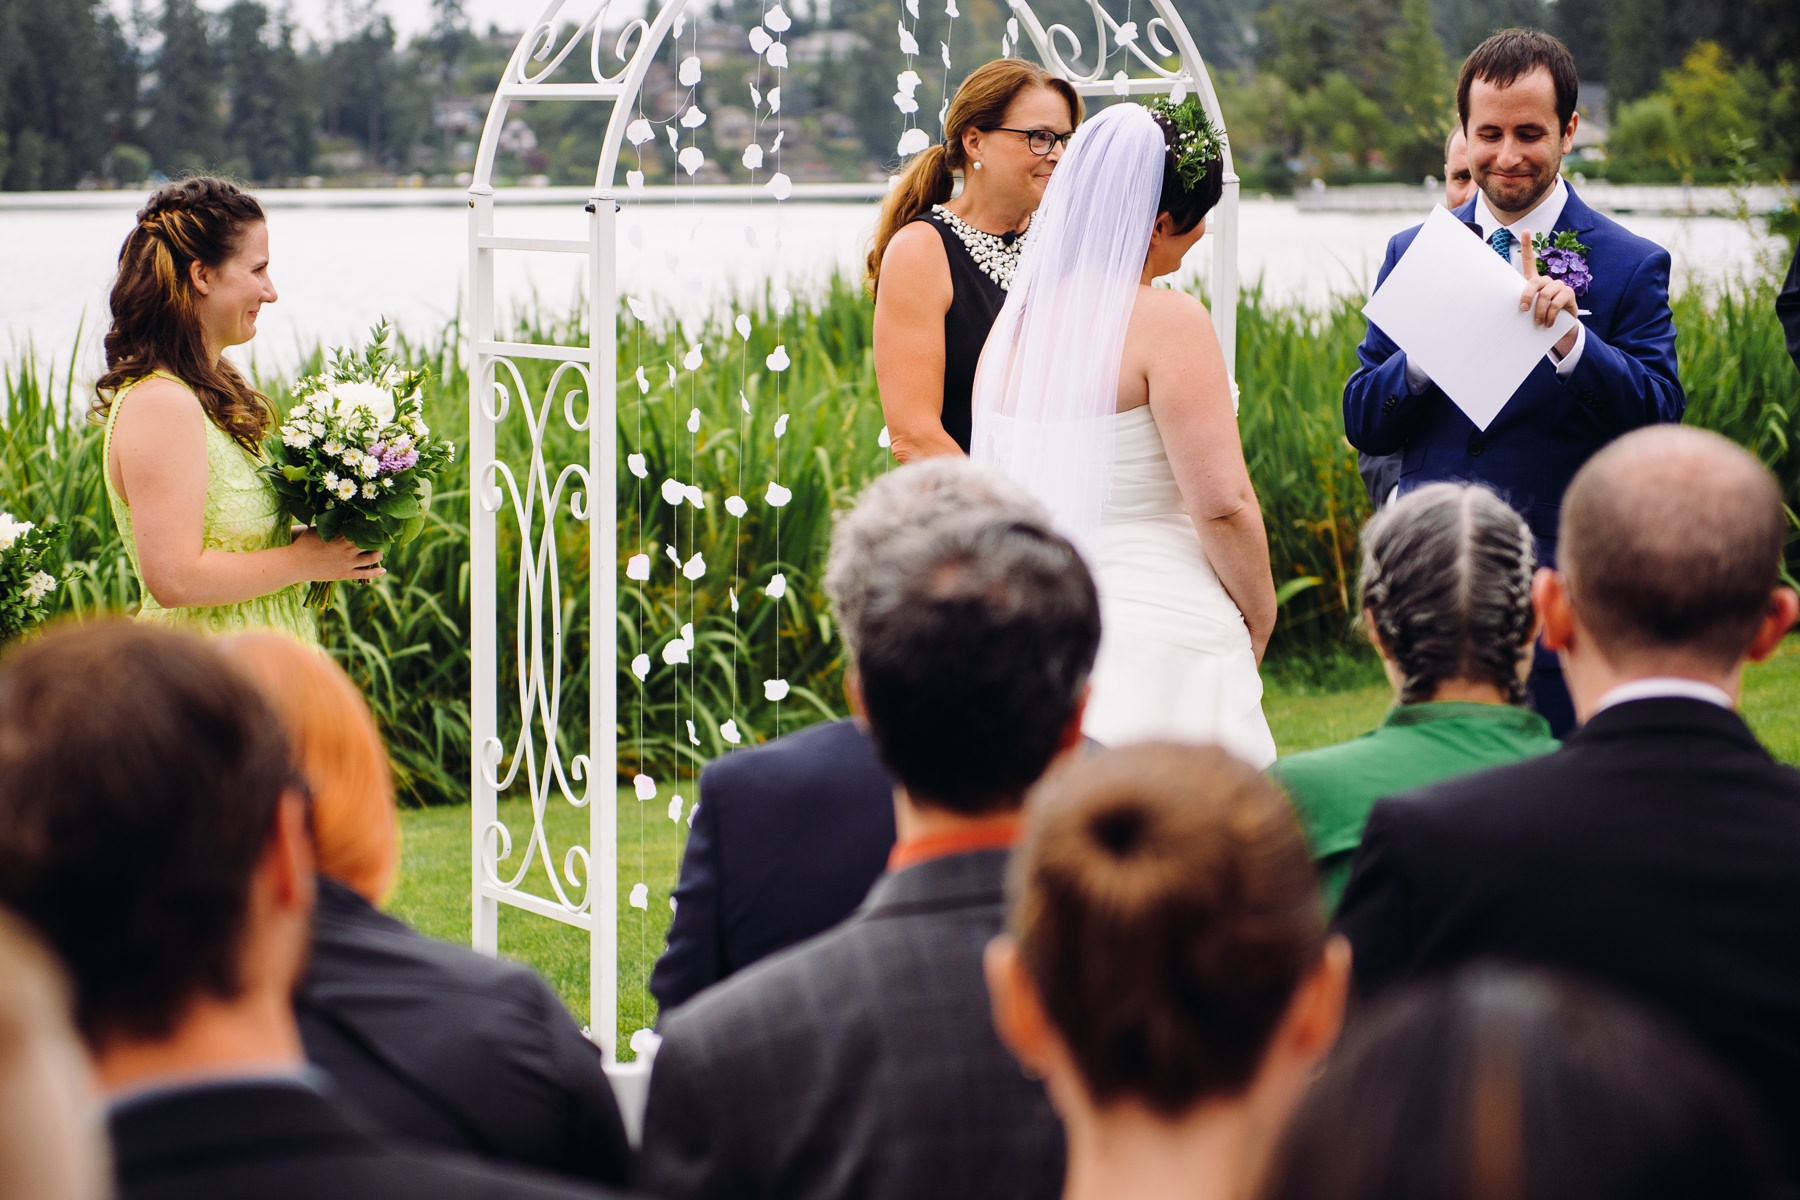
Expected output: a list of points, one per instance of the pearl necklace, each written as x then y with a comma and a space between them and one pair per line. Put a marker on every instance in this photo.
996, 254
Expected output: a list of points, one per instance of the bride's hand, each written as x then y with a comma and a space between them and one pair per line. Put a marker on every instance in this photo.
337, 559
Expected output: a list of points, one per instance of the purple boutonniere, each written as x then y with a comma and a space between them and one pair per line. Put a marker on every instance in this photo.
1565, 260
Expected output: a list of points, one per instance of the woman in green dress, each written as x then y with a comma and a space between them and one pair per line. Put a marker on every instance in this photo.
1446, 599
184, 430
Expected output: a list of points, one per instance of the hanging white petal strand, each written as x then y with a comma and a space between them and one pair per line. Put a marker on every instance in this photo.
736, 507
674, 136
777, 19
775, 107
884, 441
673, 557
671, 909
912, 7
693, 740
775, 146
912, 141
634, 180
693, 358
673, 490
950, 9
1005, 46
1121, 84
646, 787
643, 381
671, 367
780, 186
760, 39
781, 298
742, 325
777, 586
729, 731
640, 897
1178, 93
945, 47
781, 425
640, 666
1012, 30
638, 567
778, 496
638, 308
1126, 34
645, 1041
755, 96
692, 117
675, 652
732, 592
777, 56
775, 689
909, 45
637, 466
744, 402
905, 103
695, 496
694, 420
680, 24
692, 809
752, 157
690, 71
675, 804
639, 132
690, 159
687, 635
778, 361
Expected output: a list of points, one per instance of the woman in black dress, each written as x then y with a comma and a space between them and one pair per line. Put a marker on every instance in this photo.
939, 267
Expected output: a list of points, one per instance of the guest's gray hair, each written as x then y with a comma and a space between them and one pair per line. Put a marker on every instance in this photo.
1446, 584
918, 495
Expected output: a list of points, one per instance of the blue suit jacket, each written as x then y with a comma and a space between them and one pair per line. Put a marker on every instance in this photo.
1626, 378
786, 841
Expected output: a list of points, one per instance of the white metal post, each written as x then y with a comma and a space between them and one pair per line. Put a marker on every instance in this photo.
484, 911
603, 584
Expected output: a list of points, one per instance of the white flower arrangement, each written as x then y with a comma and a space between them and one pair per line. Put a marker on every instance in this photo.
26, 583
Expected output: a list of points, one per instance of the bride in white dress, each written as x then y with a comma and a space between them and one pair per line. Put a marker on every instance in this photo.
1109, 401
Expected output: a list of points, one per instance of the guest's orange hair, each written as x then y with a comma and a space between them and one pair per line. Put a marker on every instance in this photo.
338, 750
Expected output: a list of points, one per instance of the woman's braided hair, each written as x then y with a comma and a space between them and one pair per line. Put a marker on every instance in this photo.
154, 322
1446, 585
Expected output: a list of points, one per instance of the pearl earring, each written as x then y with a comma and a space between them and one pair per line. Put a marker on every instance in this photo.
978, 166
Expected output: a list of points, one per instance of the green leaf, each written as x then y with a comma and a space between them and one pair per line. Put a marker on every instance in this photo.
1294, 587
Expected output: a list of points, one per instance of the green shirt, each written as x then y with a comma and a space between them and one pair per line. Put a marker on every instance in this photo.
1333, 788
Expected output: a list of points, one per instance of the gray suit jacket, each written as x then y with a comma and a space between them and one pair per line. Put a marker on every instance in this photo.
860, 1064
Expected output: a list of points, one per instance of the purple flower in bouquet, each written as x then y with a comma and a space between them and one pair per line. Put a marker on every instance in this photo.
398, 457
1567, 266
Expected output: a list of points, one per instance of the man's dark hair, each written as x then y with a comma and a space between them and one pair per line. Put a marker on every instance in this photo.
139, 783
1671, 541
1510, 55
1501, 1082
1450, 139
972, 653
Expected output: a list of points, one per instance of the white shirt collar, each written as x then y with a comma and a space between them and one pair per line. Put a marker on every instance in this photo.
1661, 687
1540, 220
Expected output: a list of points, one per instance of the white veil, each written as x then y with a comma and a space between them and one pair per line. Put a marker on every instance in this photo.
1048, 382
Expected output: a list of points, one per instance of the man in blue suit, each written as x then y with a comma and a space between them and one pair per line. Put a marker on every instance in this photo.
1615, 371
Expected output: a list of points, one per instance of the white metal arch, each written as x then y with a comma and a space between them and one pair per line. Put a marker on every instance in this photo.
535, 495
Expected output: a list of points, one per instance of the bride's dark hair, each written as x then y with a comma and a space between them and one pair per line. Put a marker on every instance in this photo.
1187, 206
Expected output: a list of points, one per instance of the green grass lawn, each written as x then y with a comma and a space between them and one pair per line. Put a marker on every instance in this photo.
433, 894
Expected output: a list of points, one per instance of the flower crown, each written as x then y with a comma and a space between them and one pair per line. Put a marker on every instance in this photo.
1197, 140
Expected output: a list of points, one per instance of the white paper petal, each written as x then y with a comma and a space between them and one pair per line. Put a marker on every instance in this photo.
780, 186
1178, 93
639, 132
781, 298
673, 557
777, 587
755, 97
752, 157
693, 358
675, 804
945, 47
674, 136
912, 7
693, 740
760, 39
745, 403
695, 496
775, 689
680, 24
777, 19
692, 809
638, 567
640, 666
635, 463
729, 731
912, 141
905, 103
675, 652
1012, 30
692, 117
884, 441
690, 71
908, 43
646, 787
645, 1041
736, 507
908, 81
950, 9
1121, 84
732, 592
778, 496
643, 381
671, 367
687, 635
775, 147
775, 107
694, 419
778, 361
777, 56
673, 490
690, 159
696, 567
742, 325
781, 425
1126, 33
640, 897
634, 180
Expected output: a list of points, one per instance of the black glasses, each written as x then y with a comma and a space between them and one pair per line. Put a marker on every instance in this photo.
1041, 141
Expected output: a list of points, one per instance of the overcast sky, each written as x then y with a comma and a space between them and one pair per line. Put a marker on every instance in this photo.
410, 17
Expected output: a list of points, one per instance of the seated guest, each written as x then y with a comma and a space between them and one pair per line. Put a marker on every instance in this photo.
52, 1139
1167, 974
1512, 1084
1446, 600
1658, 852
153, 829
864, 1062
434, 1042
788, 836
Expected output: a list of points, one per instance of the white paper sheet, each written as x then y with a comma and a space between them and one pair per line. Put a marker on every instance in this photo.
1452, 305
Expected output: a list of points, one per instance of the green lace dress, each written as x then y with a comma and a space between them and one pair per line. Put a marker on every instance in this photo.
241, 514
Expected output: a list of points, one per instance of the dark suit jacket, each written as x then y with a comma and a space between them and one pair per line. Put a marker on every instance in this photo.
440, 1045
861, 1065
1626, 378
285, 1141
786, 841
1658, 852
1787, 307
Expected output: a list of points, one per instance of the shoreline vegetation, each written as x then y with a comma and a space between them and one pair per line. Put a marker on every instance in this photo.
405, 639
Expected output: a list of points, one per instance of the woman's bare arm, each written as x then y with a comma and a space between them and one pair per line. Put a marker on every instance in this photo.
1171, 336
158, 466
910, 303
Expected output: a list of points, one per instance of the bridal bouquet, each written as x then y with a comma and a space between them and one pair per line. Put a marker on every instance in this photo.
26, 583
353, 457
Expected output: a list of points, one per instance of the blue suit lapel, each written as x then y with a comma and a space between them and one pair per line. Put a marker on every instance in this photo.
1576, 216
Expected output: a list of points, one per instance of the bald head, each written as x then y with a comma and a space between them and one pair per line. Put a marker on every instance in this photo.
1671, 543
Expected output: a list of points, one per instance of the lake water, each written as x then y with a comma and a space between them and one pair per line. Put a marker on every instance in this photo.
338, 269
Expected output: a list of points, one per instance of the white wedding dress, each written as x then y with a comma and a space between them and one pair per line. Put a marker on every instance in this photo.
1175, 657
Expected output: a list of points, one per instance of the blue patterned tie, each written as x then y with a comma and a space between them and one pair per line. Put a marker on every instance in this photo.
1501, 240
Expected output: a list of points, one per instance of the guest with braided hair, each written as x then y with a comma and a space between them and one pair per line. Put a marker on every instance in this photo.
1446, 600
202, 527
